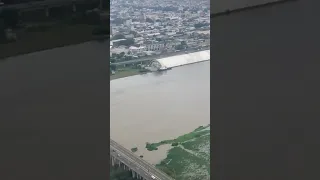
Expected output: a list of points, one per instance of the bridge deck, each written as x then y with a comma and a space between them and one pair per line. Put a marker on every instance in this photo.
137, 164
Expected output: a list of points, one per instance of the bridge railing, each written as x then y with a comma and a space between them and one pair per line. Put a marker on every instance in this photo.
160, 172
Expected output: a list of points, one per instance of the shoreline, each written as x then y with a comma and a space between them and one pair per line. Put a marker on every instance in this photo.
190, 150
125, 73
134, 72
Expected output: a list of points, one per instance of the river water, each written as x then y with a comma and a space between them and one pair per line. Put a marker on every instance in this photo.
156, 107
65, 87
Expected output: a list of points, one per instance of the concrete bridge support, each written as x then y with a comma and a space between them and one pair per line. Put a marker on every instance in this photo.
116, 162
133, 174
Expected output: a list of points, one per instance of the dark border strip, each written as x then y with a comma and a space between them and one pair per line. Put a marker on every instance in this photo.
228, 11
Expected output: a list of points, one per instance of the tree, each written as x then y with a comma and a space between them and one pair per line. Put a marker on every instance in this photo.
127, 42
113, 67
112, 60
122, 54
118, 36
179, 47
134, 33
149, 20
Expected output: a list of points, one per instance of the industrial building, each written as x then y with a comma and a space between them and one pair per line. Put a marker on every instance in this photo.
180, 60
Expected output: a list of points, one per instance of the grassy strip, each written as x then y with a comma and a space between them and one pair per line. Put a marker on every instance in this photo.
197, 147
177, 162
200, 128
125, 73
135, 149
174, 142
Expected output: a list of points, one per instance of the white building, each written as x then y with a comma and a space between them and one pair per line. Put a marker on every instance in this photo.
155, 47
137, 50
180, 60
118, 51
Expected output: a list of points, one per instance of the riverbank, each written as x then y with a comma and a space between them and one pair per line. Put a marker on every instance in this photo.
56, 36
126, 72
189, 155
179, 58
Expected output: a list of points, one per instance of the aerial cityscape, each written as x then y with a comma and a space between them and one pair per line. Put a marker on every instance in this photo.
148, 29
56, 90
167, 140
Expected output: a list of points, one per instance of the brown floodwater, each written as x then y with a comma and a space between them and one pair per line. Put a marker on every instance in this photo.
155, 107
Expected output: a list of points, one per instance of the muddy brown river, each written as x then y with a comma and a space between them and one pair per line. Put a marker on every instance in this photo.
156, 107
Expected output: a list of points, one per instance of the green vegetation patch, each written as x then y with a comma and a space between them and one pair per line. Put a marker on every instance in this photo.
135, 149
124, 73
200, 128
151, 147
189, 157
175, 144
182, 165
180, 139
200, 147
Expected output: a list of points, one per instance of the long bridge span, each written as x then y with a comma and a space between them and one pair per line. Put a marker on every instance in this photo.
139, 168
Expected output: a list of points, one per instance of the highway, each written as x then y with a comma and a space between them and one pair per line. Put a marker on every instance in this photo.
136, 163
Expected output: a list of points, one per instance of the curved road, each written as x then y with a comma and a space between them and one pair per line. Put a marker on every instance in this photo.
136, 163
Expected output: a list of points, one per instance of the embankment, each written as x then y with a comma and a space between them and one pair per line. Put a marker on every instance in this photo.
184, 59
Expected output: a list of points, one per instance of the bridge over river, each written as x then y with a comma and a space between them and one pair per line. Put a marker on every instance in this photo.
140, 168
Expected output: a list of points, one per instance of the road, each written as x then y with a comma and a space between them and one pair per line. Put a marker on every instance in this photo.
136, 163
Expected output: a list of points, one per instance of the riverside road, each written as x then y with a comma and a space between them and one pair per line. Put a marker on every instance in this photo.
135, 163
160, 56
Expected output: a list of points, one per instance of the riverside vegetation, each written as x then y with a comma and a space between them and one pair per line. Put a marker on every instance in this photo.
189, 157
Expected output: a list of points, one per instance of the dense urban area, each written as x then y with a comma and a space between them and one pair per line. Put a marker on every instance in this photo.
146, 29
